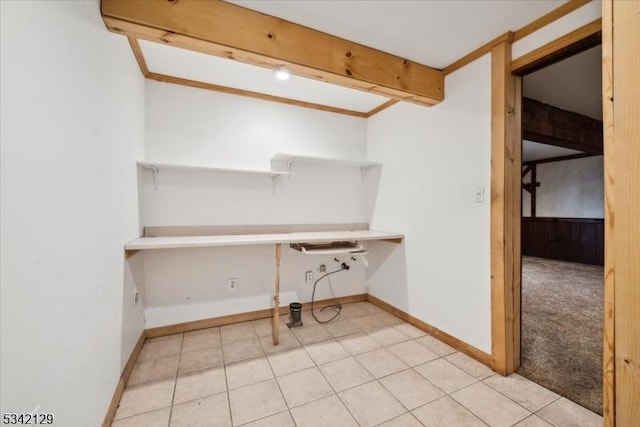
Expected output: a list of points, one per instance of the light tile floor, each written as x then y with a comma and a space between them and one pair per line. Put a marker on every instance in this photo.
366, 368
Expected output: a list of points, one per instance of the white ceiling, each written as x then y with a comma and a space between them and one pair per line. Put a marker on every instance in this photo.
536, 151
431, 32
192, 65
574, 84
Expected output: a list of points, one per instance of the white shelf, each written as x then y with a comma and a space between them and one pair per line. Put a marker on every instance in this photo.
157, 166
293, 158
146, 243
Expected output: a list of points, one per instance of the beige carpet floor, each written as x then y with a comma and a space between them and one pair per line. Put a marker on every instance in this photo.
562, 326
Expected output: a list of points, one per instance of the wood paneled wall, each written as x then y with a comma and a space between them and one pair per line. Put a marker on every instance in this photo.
566, 239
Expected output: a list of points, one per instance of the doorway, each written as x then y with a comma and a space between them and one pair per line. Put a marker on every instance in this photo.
562, 227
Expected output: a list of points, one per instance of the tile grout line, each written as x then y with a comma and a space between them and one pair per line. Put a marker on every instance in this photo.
497, 391
335, 392
226, 380
368, 382
514, 401
548, 404
275, 378
175, 382
455, 401
317, 366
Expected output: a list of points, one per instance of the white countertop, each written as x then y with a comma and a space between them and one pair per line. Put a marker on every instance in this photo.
145, 243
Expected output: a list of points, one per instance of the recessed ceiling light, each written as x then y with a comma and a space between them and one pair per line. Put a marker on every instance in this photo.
282, 73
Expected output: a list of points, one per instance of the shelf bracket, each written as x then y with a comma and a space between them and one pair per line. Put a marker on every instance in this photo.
363, 172
155, 171
274, 183
289, 164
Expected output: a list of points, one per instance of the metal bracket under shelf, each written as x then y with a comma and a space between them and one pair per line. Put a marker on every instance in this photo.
274, 183
155, 171
363, 170
332, 248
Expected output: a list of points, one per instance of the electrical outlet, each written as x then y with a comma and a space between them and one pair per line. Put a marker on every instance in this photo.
233, 283
322, 268
308, 276
136, 295
479, 194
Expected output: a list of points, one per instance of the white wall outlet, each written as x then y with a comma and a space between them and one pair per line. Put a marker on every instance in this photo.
479, 194
233, 283
308, 276
322, 268
136, 295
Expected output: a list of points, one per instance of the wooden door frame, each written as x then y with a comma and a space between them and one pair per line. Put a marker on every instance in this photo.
506, 153
506, 163
621, 107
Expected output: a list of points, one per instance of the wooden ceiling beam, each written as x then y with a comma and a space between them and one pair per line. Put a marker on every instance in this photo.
222, 29
163, 78
554, 126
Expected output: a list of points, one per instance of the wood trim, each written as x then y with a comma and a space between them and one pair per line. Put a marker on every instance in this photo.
381, 107
556, 219
208, 323
139, 55
479, 52
550, 17
342, 300
257, 95
124, 378
275, 322
623, 209
137, 52
241, 317
560, 158
234, 32
511, 37
514, 134
608, 370
129, 254
454, 342
505, 209
396, 241
568, 45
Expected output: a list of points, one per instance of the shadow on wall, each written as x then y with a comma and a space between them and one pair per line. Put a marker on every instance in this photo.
132, 305
387, 274
371, 184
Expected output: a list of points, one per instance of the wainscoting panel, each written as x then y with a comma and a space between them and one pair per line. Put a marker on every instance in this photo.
566, 239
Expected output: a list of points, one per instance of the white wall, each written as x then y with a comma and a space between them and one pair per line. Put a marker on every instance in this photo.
72, 127
192, 284
311, 195
434, 158
198, 127
568, 189
574, 20
433, 161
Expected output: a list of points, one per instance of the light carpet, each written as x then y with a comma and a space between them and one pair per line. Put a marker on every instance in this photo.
562, 328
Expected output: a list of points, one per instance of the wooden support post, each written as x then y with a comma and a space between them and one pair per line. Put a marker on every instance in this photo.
608, 360
506, 190
276, 298
534, 185
621, 93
